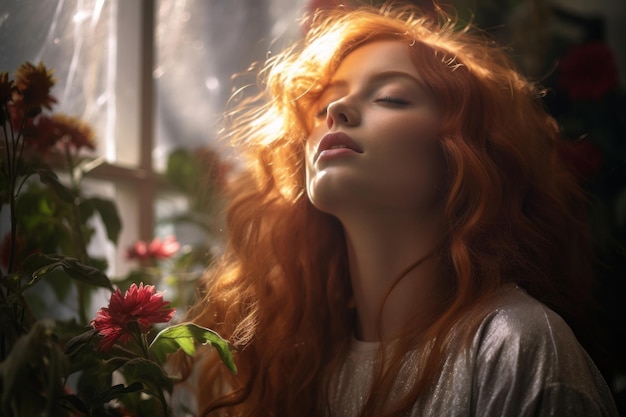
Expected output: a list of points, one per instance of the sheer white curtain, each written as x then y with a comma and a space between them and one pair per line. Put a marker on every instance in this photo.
97, 49
200, 45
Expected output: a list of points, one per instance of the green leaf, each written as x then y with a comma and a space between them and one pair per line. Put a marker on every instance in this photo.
117, 391
148, 372
74, 401
86, 209
35, 356
99, 263
153, 378
50, 178
182, 169
44, 220
110, 217
37, 265
55, 369
185, 336
77, 343
94, 379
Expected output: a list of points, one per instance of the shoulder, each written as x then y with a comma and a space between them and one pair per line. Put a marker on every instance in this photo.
519, 329
517, 319
525, 355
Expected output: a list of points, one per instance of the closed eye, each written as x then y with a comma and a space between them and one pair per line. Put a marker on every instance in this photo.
391, 100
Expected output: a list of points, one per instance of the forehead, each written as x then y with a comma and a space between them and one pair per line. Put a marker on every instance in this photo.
376, 57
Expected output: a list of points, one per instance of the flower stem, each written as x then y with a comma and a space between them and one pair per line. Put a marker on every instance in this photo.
80, 245
13, 144
140, 338
144, 345
13, 156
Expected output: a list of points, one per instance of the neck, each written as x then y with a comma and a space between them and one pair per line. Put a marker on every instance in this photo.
392, 270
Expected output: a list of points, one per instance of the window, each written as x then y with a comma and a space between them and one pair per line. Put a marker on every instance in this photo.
149, 76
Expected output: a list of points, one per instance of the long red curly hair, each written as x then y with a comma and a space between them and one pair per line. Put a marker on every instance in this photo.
281, 291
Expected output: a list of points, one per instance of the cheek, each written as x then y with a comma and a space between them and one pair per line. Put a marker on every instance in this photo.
312, 140
309, 154
309, 147
325, 186
412, 144
415, 161
434, 169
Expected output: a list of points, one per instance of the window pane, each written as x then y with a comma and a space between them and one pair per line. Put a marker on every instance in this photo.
75, 38
92, 46
199, 46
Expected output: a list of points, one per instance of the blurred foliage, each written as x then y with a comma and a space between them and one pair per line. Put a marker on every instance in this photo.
52, 358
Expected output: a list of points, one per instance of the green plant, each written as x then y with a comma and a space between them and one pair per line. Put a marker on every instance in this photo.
109, 366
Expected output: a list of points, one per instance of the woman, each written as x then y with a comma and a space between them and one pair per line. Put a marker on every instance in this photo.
401, 236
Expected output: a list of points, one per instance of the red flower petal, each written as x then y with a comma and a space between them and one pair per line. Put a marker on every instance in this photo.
141, 304
588, 71
163, 249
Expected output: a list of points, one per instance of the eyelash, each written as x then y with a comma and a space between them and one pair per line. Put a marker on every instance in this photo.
387, 99
392, 100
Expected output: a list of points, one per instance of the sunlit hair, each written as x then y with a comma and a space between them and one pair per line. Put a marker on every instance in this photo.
281, 291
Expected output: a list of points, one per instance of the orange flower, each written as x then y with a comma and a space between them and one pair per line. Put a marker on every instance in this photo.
74, 132
69, 131
141, 305
34, 84
43, 135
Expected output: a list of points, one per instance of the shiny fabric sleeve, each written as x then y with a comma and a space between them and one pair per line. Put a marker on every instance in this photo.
529, 363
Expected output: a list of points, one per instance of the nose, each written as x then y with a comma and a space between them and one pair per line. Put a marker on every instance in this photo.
342, 113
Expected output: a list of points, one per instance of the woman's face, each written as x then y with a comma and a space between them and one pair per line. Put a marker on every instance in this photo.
374, 141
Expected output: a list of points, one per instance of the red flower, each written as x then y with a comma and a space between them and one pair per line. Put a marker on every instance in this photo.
141, 305
74, 132
163, 249
157, 249
43, 135
49, 131
588, 71
139, 250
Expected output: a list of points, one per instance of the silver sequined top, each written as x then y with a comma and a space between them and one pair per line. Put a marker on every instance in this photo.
523, 361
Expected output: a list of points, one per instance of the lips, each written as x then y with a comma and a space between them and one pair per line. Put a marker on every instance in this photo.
337, 140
